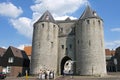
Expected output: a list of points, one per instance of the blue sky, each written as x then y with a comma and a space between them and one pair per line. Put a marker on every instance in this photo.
18, 16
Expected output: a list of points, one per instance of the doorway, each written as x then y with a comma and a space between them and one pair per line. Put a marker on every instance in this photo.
64, 61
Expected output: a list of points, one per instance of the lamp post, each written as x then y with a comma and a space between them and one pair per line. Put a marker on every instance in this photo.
115, 62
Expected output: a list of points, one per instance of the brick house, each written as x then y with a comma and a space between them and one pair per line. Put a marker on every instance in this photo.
117, 57
15, 61
28, 50
109, 60
2, 51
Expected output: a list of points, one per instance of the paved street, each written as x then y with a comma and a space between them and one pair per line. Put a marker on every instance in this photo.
110, 76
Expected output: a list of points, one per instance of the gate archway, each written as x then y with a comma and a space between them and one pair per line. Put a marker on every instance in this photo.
63, 61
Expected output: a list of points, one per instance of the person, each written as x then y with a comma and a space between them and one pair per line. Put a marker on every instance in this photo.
19, 74
48, 74
40, 75
51, 74
71, 73
43, 75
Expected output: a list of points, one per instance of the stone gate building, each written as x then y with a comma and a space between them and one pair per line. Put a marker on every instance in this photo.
80, 41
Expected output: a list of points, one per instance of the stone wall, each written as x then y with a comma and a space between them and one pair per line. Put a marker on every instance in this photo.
90, 47
45, 47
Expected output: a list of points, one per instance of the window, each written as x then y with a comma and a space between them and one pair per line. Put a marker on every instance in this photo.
62, 46
88, 21
39, 44
54, 26
61, 29
70, 46
78, 41
47, 17
42, 25
66, 51
8, 69
10, 60
51, 44
99, 22
89, 43
93, 22
94, 13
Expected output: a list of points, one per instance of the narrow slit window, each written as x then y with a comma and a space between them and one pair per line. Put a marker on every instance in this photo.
61, 29
89, 43
51, 44
54, 26
62, 46
70, 46
88, 21
99, 22
42, 25
78, 41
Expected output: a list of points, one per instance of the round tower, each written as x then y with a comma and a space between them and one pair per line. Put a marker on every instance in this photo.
90, 51
44, 45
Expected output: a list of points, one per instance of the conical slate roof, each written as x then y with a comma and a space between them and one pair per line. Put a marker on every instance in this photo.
47, 17
89, 13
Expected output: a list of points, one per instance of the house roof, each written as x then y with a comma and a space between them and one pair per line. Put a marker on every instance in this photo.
18, 53
89, 13
46, 17
28, 50
109, 52
2, 51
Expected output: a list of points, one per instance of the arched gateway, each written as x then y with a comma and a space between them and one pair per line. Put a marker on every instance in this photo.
57, 43
66, 65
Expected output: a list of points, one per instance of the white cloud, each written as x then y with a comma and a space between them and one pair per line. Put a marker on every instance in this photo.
10, 10
112, 44
115, 29
23, 26
60, 11
64, 17
4, 47
21, 47
59, 8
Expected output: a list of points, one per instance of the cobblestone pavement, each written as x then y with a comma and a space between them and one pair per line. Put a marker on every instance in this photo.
68, 78
110, 76
89, 78
22, 78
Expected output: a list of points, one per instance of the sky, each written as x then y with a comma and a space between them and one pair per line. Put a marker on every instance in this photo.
18, 16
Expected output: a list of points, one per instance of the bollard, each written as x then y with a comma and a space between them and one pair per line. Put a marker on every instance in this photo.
26, 76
